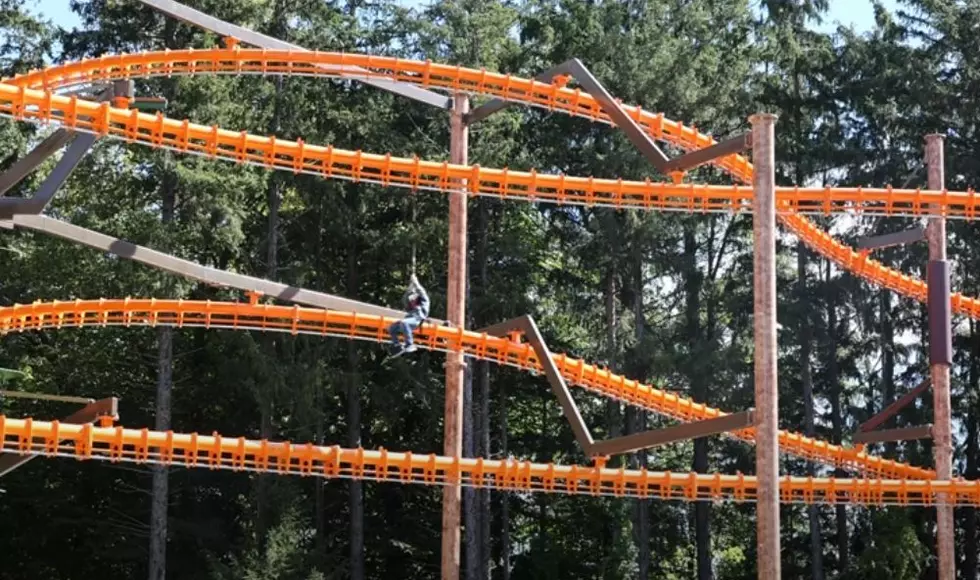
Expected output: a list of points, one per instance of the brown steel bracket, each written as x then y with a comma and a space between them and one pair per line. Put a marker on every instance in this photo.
680, 432
90, 413
868, 431
526, 326
640, 139
900, 434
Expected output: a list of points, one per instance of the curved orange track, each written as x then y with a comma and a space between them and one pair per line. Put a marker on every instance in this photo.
529, 186
117, 444
295, 319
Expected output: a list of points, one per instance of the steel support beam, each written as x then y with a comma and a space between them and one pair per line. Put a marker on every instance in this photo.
574, 68
87, 414
66, 165
680, 432
28, 163
892, 239
900, 434
497, 104
69, 161
196, 271
893, 409
526, 326
208, 22
697, 157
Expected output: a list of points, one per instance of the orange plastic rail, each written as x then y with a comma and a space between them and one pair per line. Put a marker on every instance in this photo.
295, 319
118, 444
528, 91
159, 131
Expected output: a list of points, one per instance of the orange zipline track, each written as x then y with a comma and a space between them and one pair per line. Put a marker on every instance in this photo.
21, 102
158, 131
269, 150
296, 320
118, 444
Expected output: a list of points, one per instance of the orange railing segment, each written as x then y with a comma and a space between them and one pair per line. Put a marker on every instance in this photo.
295, 319
240, 454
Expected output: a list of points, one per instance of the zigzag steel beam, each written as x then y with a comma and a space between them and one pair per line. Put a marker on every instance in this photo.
28, 163
68, 162
196, 271
574, 67
680, 432
87, 414
208, 22
893, 409
702, 156
526, 325
497, 104
901, 434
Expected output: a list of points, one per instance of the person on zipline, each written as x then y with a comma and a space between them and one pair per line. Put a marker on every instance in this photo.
417, 310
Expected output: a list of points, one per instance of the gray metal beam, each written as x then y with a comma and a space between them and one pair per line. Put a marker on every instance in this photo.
208, 22
680, 432
574, 67
708, 154
526, 325
893, 409
195, 271
68, 162
497, 104
901, 434
28, 163
87, 414
893, 239
940, 316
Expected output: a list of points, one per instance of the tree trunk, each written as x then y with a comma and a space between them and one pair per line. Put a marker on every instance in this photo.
483, 393
612, 405
692, 311
355, 487
888, 360
813, 512
504, 497
837, 420
641, 519
160, 486
471, 523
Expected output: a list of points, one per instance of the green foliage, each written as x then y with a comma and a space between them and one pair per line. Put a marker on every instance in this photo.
662, 298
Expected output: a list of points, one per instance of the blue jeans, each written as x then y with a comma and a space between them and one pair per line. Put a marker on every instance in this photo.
403, 326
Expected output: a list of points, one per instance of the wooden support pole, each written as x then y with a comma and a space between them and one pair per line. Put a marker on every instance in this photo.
455, 365
766, 394
940, 357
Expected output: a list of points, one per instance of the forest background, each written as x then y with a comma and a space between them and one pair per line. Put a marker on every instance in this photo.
665, 298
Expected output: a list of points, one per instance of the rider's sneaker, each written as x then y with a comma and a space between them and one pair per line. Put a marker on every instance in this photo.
411, 348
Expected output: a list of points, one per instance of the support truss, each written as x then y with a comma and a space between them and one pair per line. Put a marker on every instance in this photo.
80, 144
90, 413
212, 24
192, 270
526, 326
868, 431
577, 70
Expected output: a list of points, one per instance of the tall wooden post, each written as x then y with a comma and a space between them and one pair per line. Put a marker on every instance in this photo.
455, 364
940, 356
766, 393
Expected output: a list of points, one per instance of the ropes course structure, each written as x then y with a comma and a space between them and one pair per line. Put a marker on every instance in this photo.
51, 96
